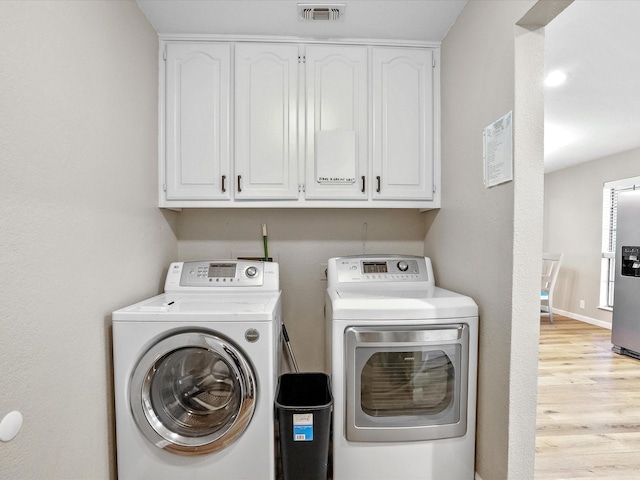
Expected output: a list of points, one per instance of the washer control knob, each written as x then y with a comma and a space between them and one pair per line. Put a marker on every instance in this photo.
252, 335
251, 272
403, 266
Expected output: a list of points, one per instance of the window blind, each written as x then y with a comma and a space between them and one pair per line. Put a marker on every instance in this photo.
613, 211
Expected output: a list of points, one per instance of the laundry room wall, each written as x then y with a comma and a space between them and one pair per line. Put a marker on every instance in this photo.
487, 240
80, 231
301, 241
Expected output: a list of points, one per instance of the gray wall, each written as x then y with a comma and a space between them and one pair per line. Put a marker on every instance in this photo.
80, 233
483, 238
301, 241
573, 225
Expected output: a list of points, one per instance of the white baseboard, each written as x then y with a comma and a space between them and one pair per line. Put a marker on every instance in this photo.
477, 476
583, 318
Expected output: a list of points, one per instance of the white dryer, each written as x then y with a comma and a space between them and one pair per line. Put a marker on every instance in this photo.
403, 359
195, 371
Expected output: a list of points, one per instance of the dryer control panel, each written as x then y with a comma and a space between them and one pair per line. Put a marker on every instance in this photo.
368, 269
216, 274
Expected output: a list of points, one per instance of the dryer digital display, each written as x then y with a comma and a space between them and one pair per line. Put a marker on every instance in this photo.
374, 267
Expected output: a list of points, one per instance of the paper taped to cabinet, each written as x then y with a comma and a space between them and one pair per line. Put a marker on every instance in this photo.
336, 156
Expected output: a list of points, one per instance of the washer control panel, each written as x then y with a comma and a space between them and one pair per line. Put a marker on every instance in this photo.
214, 274
221, 273
376, 269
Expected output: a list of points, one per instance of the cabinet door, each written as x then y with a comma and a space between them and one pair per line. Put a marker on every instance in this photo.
337, 139
403, 104
197, 121
266, 109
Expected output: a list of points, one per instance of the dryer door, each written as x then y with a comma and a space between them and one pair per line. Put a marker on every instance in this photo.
193, 393
406, 383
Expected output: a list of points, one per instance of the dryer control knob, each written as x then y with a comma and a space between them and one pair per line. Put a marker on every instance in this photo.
403, 266
251, 272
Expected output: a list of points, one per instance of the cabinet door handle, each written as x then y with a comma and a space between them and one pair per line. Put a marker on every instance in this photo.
378, 180
224, 188
362, 189
239, 187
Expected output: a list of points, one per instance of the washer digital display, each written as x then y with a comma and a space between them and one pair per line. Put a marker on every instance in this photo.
222, 270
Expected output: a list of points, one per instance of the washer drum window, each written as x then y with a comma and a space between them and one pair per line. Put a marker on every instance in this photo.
193, 393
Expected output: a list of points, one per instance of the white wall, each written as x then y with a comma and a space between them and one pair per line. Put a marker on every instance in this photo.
573, 225
80, 233
485, 239
301, 241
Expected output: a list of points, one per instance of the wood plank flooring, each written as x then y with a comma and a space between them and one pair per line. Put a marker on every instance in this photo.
588, 417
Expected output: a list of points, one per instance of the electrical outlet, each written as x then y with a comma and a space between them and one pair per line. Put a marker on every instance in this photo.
323, 272
582, 304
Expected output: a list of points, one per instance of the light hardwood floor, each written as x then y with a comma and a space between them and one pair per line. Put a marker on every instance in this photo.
588, 417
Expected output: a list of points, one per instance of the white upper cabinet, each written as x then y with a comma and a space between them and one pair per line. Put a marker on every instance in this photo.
278, 123
195, 161
403, 112
266, 128
336, 122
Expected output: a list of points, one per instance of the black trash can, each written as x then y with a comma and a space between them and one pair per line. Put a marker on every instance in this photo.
303, 412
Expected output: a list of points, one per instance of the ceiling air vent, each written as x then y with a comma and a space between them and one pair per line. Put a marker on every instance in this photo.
332, 12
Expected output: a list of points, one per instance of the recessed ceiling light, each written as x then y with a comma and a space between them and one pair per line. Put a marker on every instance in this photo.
555, 78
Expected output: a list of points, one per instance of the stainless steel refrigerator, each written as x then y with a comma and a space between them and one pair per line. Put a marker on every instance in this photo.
625, 330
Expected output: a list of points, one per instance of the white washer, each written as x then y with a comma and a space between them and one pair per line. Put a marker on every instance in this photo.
195, 371
403, 358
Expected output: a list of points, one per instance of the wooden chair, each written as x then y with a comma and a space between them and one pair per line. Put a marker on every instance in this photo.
550, 267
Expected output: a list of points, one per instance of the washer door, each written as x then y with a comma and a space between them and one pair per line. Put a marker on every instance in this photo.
193, 393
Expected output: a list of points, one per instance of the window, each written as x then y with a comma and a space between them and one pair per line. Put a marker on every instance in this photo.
609, 216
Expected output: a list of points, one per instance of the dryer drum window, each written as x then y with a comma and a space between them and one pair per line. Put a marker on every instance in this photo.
395, 383
193, 393
406, 383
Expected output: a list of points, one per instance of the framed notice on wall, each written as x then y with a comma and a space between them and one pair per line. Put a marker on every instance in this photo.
498, 151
